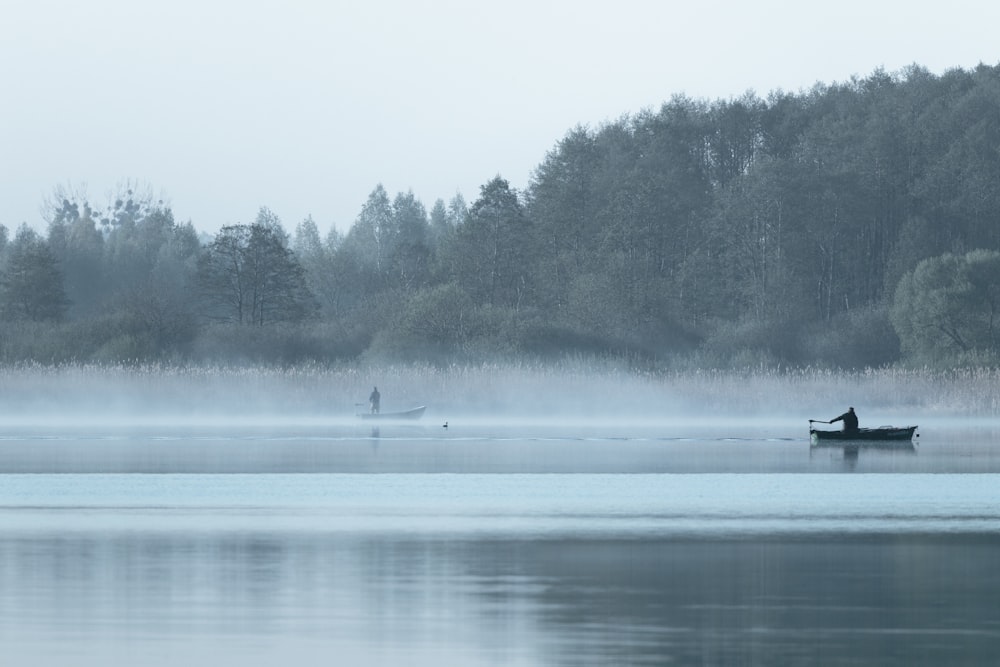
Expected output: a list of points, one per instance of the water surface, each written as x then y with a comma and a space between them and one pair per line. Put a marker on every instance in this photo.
496, 544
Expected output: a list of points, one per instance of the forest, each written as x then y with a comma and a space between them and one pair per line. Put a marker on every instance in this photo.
854, 225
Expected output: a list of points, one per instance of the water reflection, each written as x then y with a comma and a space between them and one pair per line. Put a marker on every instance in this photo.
250, 598
851, 450
462, 448
565, 567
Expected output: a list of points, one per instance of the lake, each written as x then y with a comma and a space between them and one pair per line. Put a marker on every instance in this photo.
528, 542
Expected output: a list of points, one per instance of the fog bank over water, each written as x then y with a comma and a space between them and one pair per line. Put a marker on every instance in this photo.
93, 394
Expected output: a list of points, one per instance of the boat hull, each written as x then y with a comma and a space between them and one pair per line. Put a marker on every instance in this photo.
882, 434
414, 413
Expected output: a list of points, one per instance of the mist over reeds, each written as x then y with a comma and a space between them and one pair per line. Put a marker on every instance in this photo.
570, 390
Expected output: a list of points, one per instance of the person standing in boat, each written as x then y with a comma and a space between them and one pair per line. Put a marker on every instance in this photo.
374, 400
849, 418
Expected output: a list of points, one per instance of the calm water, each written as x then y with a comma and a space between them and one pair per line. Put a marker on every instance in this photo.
486, 544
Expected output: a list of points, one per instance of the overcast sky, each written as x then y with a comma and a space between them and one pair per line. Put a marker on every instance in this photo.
304, 106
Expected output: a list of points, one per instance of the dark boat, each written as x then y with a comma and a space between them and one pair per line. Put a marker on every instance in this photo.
880, 434
413, 413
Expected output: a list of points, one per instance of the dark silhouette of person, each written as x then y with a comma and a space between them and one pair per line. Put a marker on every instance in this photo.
849, 418
375, 399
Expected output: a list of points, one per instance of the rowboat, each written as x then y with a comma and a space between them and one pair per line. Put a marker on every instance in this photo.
412, 413
880, 434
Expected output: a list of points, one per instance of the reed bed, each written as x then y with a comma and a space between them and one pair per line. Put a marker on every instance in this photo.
570, 388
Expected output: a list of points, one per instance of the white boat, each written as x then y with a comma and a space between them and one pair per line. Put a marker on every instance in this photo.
412, 413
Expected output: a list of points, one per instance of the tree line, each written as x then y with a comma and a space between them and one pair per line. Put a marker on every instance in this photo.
853, 225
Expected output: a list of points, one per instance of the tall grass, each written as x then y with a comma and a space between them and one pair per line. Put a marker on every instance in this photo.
569, 388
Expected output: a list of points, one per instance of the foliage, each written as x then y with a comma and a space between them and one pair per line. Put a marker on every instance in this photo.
282, 345
948, 308
31, 285
852, 225
248, 275
490, 253
433, 326
861, 338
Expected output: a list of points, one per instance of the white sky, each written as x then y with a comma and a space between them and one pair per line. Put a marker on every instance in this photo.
304, 106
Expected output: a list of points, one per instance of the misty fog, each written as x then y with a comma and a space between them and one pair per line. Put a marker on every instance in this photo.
571, 393
573, 417
217, 515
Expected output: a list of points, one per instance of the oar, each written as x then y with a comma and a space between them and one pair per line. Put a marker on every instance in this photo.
819, 421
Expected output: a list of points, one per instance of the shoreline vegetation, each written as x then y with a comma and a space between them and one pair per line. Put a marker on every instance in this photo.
850, 226
573, 389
